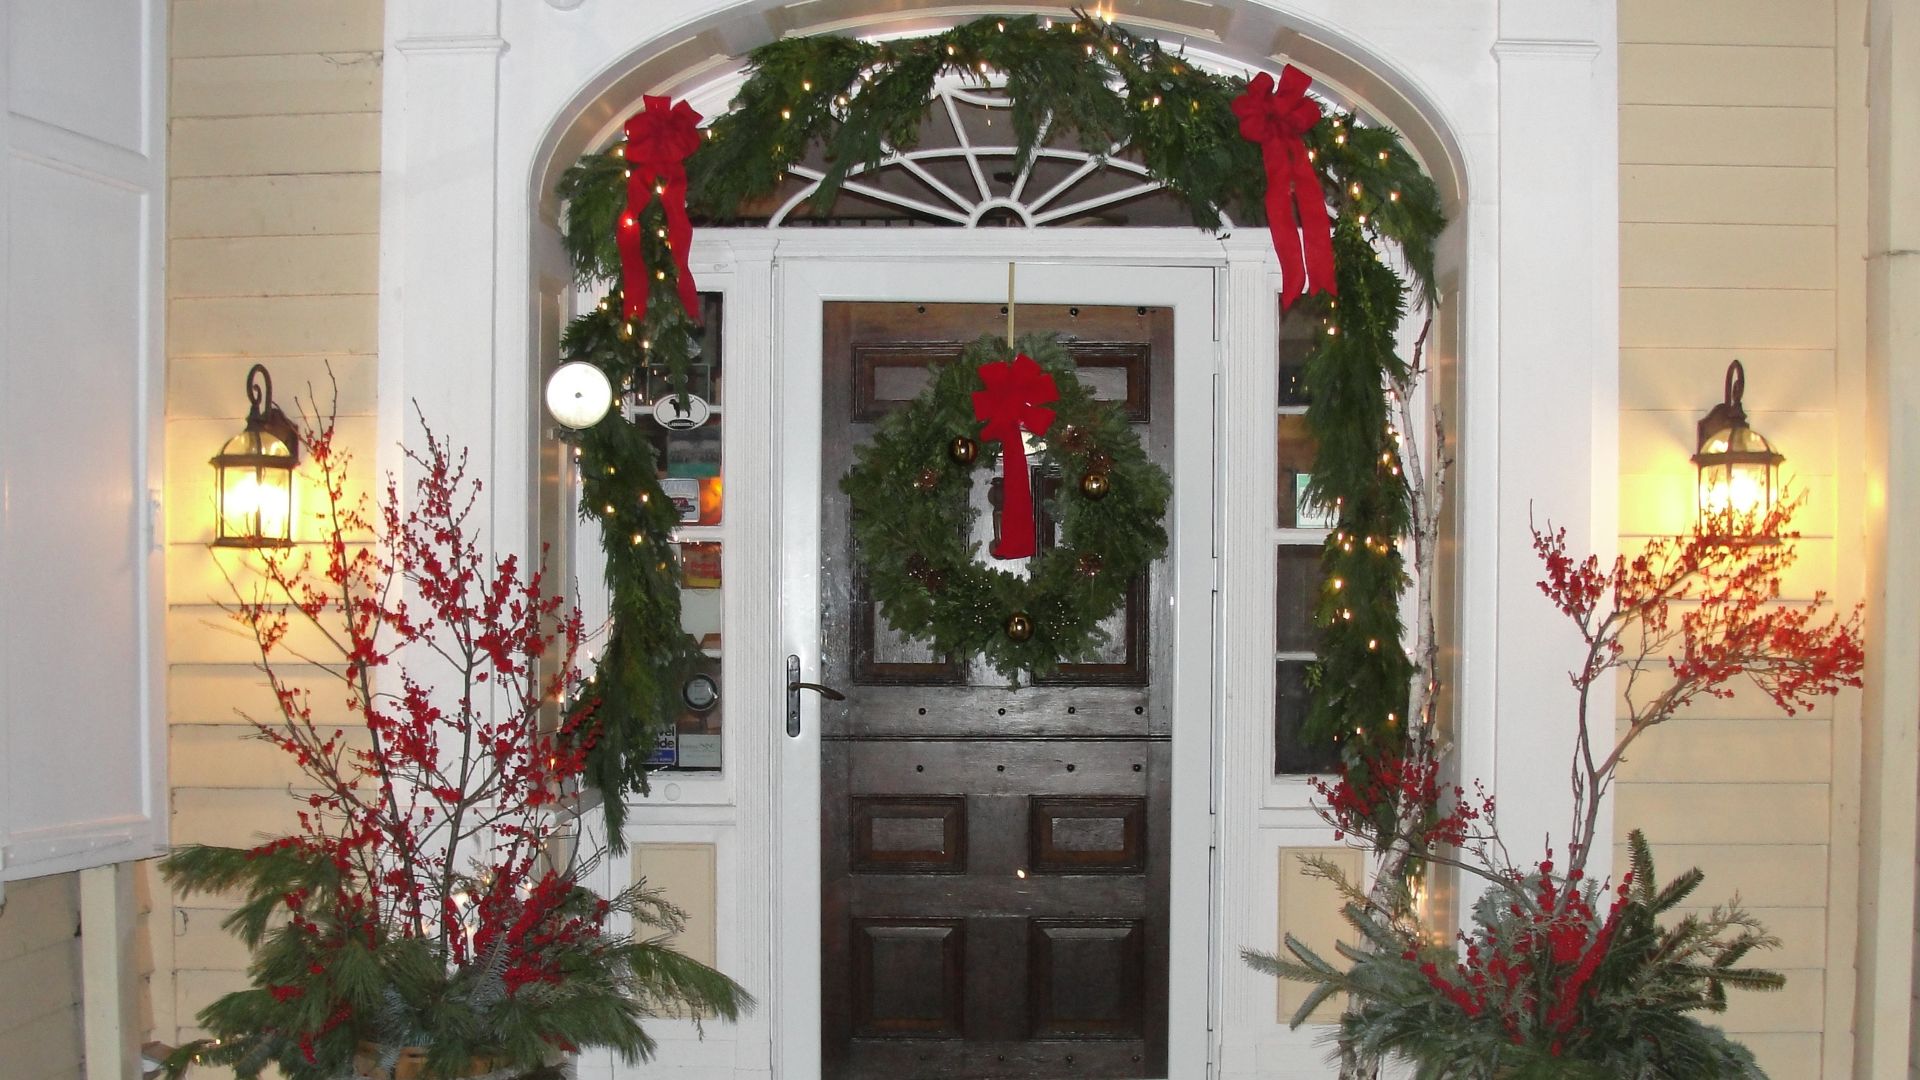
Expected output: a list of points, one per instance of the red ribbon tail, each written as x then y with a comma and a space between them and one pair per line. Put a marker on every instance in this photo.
1314, 228
1283, 223
680, 238
1286, 239
633, 263
1016, 504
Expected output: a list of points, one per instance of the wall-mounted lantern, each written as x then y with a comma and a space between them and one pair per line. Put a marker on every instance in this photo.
1739, 469
253, 473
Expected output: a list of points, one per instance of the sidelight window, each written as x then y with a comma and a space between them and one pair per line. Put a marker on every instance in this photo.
1299, 533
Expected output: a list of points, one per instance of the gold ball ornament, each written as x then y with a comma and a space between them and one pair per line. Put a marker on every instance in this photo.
926, 481
1019, 626
1095, 485
963, 450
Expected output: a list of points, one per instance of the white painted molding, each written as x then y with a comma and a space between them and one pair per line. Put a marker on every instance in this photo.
476, 43
1554, 48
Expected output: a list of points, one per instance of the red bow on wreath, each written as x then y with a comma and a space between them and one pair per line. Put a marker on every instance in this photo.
1015, 397
1276, 118
659, 139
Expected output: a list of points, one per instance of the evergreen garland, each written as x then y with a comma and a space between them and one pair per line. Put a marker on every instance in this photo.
1095, 82
911, 517
1360, 698
634, 693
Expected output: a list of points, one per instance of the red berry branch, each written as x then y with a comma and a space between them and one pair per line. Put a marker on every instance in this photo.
1557, 973
1687, 618
461, 760
432, 895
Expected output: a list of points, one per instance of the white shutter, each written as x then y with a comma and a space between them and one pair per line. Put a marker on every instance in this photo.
82, 692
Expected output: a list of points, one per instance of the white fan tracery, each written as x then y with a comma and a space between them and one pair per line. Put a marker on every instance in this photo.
947, 202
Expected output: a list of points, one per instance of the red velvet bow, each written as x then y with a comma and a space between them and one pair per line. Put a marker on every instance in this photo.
1015, 397
1276, 118
659, 138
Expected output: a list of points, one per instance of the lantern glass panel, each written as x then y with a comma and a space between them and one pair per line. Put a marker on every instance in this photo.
1738, 490
1737, 474
256, 489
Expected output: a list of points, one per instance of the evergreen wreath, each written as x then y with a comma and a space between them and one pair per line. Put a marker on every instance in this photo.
909, 496
1084, 78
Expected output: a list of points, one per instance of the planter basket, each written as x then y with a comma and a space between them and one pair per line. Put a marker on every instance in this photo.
412, 1065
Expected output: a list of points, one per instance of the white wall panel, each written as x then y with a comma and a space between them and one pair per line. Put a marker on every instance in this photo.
81, 760
83, 65
72, 557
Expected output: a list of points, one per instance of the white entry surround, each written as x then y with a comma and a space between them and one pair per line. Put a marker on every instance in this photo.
1513, 108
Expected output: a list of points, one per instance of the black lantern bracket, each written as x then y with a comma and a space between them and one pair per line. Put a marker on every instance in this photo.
264, 415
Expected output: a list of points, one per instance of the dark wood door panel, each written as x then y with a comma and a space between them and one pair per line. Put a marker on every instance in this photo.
1087, 835
923, 712
1012, 1060
1087, 979
909, 977
991, 896
994, 861
1004, 766
896, 834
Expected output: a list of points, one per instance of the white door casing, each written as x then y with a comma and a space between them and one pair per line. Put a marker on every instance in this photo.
804, 286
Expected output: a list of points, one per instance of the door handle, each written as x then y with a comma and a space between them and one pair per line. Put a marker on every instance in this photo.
794, 686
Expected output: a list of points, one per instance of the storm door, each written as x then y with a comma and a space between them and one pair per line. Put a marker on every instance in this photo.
994, 862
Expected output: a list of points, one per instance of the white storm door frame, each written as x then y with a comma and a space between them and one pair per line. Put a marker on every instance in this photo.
803, 285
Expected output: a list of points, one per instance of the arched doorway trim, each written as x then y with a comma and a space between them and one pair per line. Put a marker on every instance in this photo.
1512, 108
691, 67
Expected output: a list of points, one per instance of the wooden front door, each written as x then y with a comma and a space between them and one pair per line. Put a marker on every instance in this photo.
994, 861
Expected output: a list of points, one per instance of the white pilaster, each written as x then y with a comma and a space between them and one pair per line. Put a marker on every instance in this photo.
1557, 382
1883, 1020
439, 261
110, 988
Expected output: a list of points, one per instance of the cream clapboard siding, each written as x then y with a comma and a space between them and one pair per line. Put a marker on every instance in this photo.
40, 971
1734, 243
273, 218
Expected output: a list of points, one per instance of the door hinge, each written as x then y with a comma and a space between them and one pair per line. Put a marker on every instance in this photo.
1219, 305
154, 520
1215, 512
